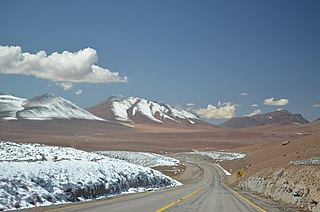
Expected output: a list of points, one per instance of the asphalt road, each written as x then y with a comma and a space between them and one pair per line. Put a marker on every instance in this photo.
208, 194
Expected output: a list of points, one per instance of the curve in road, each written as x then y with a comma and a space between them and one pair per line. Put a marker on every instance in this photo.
208, 194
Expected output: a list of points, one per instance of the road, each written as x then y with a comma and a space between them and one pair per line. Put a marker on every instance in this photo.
209, 193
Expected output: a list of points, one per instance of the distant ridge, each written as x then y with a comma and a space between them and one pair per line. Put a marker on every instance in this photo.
316, 120
276, 117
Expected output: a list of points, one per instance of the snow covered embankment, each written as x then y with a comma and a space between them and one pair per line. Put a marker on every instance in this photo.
145, 159
34, 175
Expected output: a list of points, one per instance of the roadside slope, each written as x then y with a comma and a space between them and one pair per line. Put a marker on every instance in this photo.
268, 170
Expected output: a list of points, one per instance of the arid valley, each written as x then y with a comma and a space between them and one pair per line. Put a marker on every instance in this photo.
280, 160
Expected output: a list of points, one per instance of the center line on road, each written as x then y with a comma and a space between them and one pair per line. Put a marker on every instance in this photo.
248, 201
234, 192
179, 200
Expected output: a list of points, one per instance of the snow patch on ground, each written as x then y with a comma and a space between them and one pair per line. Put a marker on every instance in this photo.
9, 118
219, 156
36, 175
313, 161
141, 158
296, 123
225, 171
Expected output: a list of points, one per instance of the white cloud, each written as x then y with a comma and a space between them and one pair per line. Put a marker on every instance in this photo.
223, 111
79, 91
64, 67
254, 105
316, 105
243, 94
255, 112
65, 85
272, 102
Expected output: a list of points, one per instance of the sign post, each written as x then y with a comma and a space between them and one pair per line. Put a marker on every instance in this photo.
239, 175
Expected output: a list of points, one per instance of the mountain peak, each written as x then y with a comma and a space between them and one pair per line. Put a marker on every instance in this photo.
113, 98
138, 110
45, 98
43, 107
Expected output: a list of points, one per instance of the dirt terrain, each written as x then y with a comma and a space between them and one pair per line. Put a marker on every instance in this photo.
99, 135
268, 169
269, 150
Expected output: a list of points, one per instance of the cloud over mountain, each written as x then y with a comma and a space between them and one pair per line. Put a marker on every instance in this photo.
222, 111
255, 112
272, 102
67, 66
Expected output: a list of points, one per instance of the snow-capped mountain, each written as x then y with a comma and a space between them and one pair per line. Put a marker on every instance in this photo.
45, 107
9, 105
138, 110
276, 117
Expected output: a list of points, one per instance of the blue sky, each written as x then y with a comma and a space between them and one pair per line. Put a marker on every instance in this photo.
177, 52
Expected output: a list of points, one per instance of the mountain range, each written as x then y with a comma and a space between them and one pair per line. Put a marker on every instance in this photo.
130, 110
276, 117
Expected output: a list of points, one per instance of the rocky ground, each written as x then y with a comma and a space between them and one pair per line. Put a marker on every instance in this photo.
286, 171
295, 186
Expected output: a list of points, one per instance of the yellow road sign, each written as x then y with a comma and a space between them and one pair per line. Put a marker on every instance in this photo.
239, 173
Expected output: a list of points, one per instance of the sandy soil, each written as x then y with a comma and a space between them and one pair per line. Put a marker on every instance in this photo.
97, 135
275, 155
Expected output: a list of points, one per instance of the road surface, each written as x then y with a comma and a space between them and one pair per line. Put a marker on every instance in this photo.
208, 194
